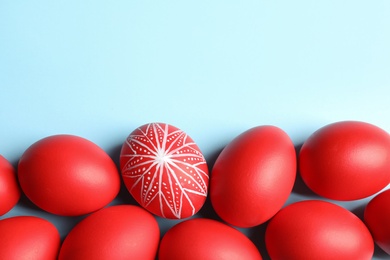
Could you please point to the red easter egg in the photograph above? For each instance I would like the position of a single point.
(164, 170)
(28, 237)
(68, 175)
(377, 219)
(253, 176)
(116, 232)
(9, 187)
(347, 160)
(206, 239)
(320, 230)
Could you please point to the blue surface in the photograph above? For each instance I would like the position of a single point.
(212, 68)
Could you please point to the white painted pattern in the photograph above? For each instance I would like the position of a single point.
(164, 164)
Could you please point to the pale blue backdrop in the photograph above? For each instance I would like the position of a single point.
(99, 69)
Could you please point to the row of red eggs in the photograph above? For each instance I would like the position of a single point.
(252, 178)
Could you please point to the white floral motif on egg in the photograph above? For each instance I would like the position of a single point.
(166, 165)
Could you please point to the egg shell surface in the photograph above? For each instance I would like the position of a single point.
(346, 160)
(206, 239)
(28, 237)
(253, 176)
(68, 175)
(114, 232)
(316, 229)
(164, 170)
(9, 187)
(376, 217)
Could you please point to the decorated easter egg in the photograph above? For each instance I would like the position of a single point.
(68, 175)
(164, 170)
(253, 176)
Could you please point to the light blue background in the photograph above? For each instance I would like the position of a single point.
(99, 69)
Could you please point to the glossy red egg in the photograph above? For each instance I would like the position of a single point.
(28, 237)
(9, 187)
(68, 175)
(206, 239)
(377, 219)
(115, 232)
(253, 176)
(315, 229)
(347, 160)
(164, 170)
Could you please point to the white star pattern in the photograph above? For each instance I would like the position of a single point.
(160, 163)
